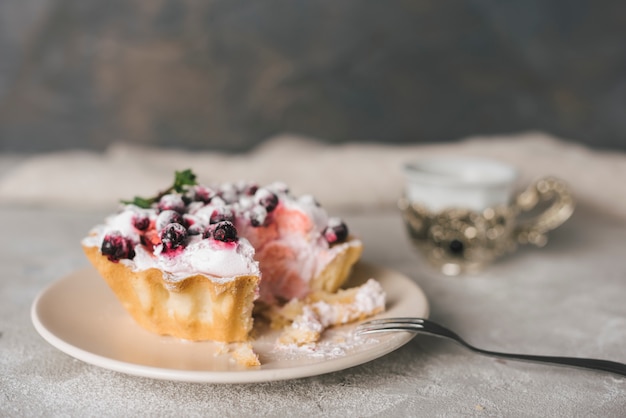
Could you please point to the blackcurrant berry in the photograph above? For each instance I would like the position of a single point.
(336, 231)
(228, 192)
(141, 222)
(203, 194)
(116, 247)
(225, 231)
(257, 216)
(266, 199)
(222, 213)
(168, 217)
(250, 189)
(173, 236)
(171, 202)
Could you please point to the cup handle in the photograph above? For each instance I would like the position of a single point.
(548, 190)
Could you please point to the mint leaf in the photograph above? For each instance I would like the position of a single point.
(181, 180)
(140, 201)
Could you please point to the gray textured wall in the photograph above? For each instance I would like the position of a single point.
(226, 74)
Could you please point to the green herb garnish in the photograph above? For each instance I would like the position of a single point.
(182, 179)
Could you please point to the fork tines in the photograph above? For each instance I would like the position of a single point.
(391, 324)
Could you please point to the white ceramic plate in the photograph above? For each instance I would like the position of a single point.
(80, 316)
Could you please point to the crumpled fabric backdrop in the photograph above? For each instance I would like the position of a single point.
(349, 176)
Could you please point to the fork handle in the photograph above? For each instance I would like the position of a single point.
(425, 326)
(433, 328)
(585, 363)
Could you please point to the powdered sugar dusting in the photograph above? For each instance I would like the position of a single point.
(368, 300)
(370, 297)
(335, 343)
(312, 330)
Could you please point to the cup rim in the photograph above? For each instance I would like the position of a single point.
(461, 171)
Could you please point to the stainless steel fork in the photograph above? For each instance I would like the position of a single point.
(420, 325)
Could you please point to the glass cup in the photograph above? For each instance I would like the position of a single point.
(462, 213)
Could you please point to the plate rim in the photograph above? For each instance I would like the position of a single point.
(256, 375)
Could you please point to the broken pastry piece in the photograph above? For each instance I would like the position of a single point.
(304, 321)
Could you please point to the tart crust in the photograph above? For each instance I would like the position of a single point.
(335, 274)
(196, 308)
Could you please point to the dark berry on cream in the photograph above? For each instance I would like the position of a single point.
(168, 217)
(225, 231)
(250, 189)
(173, 202)
(203, 194)
(195, 230)
(336, 231)
(228, 192)
(173, 236)
(193, 227)
(222, 213)
(117, 247)
(257, 216)
(266, 199)
(141, 222)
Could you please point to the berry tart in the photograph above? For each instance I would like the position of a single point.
(194, 261)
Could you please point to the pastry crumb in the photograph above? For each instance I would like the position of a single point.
(244, 354)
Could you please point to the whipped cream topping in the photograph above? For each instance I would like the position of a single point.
(219, 261)
(228, 228)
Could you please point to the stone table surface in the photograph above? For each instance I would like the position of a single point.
(565, 299)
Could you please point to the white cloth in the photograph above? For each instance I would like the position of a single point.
(349, 176)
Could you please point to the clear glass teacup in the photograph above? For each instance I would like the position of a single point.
(462, 213)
